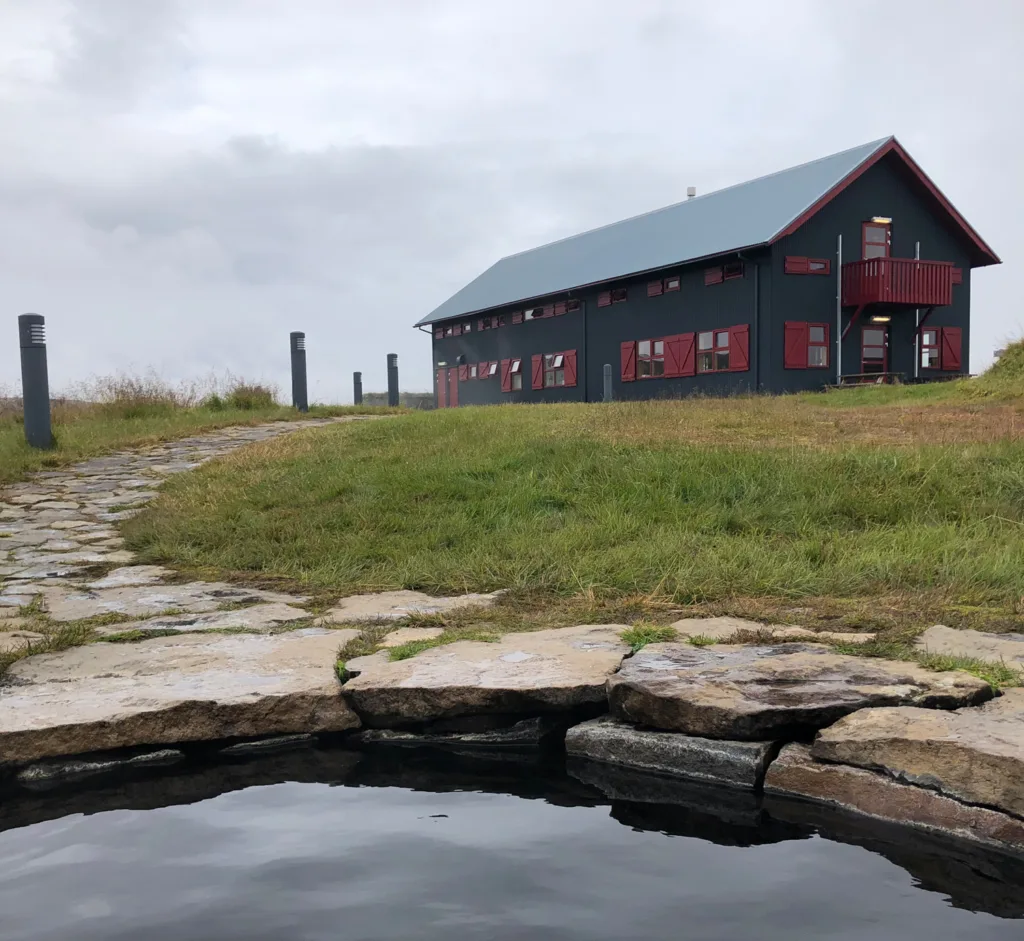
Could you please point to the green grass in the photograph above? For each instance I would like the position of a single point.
(89, 431)
(640, 635)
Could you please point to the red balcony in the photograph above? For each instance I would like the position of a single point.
(898, 281)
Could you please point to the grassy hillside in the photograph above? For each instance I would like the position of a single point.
(861, 501)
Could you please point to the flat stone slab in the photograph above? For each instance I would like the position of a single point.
(764, 693)
(1000, 648)
(172, 689)
(795, 772)
(519, 674)
(525, 733)
(259, 617)
(725, 628)
(606, 739)
(131, 576)
(11, 641)
(395, 605)
(409, 635)
(975, 755)
(73, 604)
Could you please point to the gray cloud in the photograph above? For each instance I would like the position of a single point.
(182, 184)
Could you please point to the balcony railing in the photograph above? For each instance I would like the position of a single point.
(898, 281)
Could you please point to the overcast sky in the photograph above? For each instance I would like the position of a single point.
(183, 182)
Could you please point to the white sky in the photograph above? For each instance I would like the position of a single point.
(183, 182)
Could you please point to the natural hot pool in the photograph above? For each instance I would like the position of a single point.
(416, 844)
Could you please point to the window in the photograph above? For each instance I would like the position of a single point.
(672, 284)
(732, 270)
(501, 320)
(438, 333)
(800, 264)
(483, 324)
(572, 305)
(877, 238)
(554, 370)
(650, 359)
(654, 288)
(806, 345)
(714, 275)
(492, 369)
(511, 375)
(449, 331)
(467, 328)
(472, 371)
(929, 349)
(817, 346)
(618, 295)
(713, 351)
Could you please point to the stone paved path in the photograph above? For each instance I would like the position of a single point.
(57, 526)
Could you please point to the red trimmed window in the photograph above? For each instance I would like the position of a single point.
(941, 348)
(672, 283)
(800, 264)
(876, 239)
(805, 345)
(500, 321)
(554, 370)
(572, 305)
(734, 269)
(614, 296)
(618, 295)
(930, 350)
(511, 374)
(467, 328)
(483, 324)
(724, 350)
(663, 357)
(714, 275)
(438, 333)
(457, 330)
(473, 371)
(449, 331)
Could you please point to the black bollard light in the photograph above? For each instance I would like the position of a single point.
(298, 345)
(392, 379)
(357, 388)
(35, 381)
(607, 382)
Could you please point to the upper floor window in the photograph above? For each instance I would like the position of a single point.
(800, 264)
(877, 238)
(726, 272)
(614, 296)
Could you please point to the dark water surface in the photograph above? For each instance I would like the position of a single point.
(328, 844)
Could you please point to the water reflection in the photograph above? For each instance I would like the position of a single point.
(405, 824)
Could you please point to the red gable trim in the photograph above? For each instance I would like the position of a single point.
(892, 146)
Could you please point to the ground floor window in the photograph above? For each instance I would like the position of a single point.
(713, 351)
(650, 358)
(806, 345)
(930, 349)
(554, 370)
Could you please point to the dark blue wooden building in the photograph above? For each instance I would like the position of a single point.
(852, 268)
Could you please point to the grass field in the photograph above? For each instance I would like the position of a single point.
(886, 508)
(120, 412)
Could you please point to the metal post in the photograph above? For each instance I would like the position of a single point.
(839, 311)
(298, 346)
(917, 322)
(607, 382)
(35, 381)
(392, 379)
(357, 388)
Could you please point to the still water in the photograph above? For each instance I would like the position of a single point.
(410, 845)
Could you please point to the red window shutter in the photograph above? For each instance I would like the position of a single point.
(688, 354)
(572, 305)
(463, 373)
(570, 367)
(604, 299)
(797, 264)
(628, 361)
(739, 348)
(560, 309)
(439, 333)
(537, 374)
(549, 311)
(949, 356)
(673, 355)
(713, 275)
(654, 288)
(795, 354)
(481, 370)
(506, 375)
(517, 317)
(958, 275)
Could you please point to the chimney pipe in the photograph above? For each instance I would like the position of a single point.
(691, 191)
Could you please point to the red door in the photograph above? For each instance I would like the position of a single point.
(453, 388)
(442, 389)
(877, 238)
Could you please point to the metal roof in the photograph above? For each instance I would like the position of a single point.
(729, 219)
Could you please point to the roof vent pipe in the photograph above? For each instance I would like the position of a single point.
(691, 191)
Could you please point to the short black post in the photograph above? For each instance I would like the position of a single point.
(35, 381)
(607, 382)
(392, 379)
(298, 345)
(357, 388)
